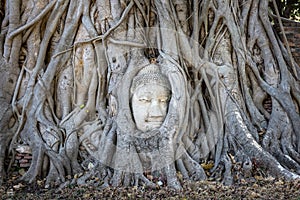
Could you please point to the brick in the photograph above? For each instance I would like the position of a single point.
(289, 34)
(23, 161)
(28, 157)
(24, 165)
(297, 50)
(292, 30)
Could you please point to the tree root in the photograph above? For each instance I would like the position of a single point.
(248, 64)
(190, 168)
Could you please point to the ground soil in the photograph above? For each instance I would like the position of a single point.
(255, 188)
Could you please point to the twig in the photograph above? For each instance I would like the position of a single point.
(105, 35)
(127, 43)
(31, 23)
(285, 39)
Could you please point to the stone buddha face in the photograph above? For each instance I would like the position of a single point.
(150, 98)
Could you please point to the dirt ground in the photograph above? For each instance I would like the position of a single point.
(267, 188)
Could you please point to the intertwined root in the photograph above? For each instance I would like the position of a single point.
(78, 59)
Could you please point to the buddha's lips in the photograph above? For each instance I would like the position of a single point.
(154, 120)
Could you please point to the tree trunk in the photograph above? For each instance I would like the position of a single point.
(72, 70)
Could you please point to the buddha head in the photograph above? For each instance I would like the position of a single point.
(150, 95)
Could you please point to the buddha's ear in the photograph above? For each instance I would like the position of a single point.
(131, 92)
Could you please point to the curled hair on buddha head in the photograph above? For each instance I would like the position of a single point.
(150, 74)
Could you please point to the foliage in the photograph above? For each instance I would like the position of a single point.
(267, 188)
(289, 9)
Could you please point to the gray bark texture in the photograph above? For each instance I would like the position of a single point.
(67, 68)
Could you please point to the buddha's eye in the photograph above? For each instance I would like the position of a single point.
(164, 100)
(145, 100)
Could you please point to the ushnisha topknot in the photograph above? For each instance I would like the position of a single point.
(150, 74)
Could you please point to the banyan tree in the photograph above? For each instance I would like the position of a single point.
(133, 92)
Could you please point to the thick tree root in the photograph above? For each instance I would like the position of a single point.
(79, 62)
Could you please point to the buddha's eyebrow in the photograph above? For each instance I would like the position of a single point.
(144, 97)
(145, 93)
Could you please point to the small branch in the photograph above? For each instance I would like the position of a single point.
(86, 20)
(127, 43)
(16, 92)
(124, 15)
(31, 23)
(105, 35)
(140, 7)
(285, 39)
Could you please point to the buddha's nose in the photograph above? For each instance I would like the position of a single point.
(155, 109)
